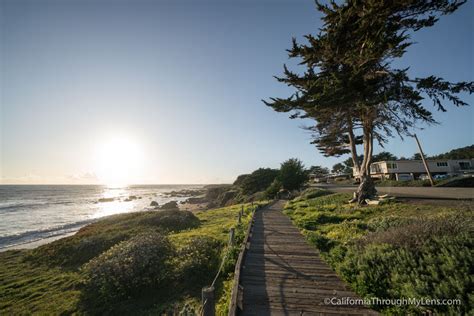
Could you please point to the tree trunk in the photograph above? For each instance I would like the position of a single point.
(366, 189)
(352, 144)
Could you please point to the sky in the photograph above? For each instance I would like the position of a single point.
(170, 91)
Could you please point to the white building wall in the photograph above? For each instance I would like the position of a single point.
(417, 167)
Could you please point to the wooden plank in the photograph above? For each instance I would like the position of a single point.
(282, 275)
(235, 295)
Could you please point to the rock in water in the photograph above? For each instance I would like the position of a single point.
(172, 205)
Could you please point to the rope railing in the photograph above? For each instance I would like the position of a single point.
(208, 304)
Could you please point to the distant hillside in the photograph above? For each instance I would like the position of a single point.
(458, 153)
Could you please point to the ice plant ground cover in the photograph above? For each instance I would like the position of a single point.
(392, 251)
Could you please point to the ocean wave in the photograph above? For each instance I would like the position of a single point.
(10, 241)
(15, 206)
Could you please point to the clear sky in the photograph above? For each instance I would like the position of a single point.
(180, 83)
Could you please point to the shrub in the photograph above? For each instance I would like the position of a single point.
(199, 260)
(440, 268)
(292, 174)
(390, 251)
(128, 269)
(259, 180)
(416, 232)
(171, 220)
(272, 191)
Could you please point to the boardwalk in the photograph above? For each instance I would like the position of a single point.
(283, 275)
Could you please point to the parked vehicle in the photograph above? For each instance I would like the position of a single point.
(405, 177)
(423, 177)
(440, 176)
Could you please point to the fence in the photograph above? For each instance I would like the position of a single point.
(208, 293)
(208, 298)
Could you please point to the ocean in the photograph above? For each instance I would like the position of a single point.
(34, 214)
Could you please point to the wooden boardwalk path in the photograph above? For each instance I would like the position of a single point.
(283, 275)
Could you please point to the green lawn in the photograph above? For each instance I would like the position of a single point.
(62, 277)
(394, 250)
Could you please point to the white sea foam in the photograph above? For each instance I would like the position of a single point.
(29, 214)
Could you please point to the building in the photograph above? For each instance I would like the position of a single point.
(414, 169)
(313, 178)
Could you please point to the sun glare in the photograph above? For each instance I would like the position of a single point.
(119, 162)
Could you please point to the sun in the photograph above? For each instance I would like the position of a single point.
(118, 161)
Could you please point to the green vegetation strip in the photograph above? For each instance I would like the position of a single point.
(394, 250)
(138, 263)
(238, 265)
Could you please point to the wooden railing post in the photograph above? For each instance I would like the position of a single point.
(208, 302)
(231, 236)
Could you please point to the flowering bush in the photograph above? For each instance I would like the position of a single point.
(199, 260)
(171, 220)
(129, 268)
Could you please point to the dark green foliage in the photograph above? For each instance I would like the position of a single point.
(384, 156)
(199, 260)
(272, 191)
(171, 220)
(350, 85)
(338, 168)
(240, 179)
(458, 153)
(318, 171)
(345, 167)
(259, 180)
(129, 269)
(292, 174)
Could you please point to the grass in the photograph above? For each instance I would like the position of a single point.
(53, 279)
(394, 250)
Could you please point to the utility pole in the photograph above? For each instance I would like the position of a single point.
(424, 161)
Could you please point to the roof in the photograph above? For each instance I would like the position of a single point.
(421, 161)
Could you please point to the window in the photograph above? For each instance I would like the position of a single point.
(442, 164)
(375, 168)
(464, 165)
(392, 165)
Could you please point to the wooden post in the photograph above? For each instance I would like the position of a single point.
(424, 161)
(208, 303)
(231, 236)
(239, 220)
